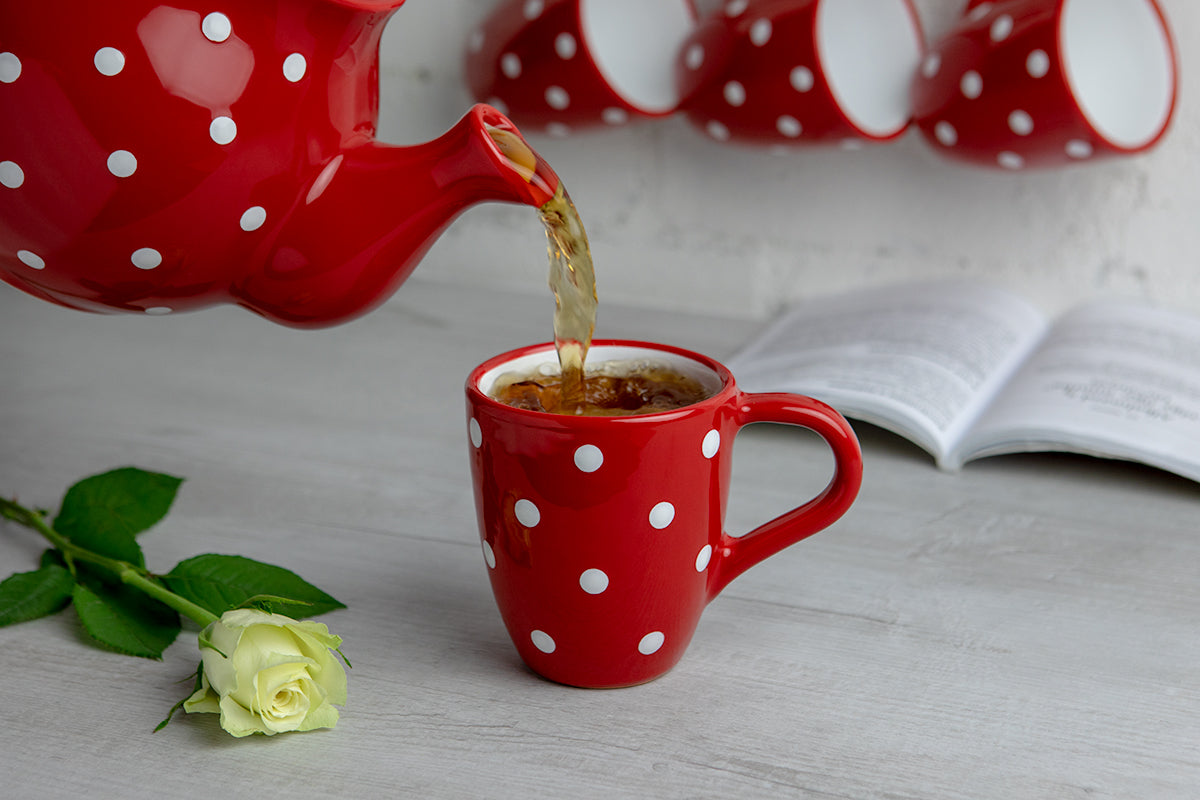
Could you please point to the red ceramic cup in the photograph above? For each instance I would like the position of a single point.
(1044, 83)
(566, 65)
(603, 536)
(801, 71)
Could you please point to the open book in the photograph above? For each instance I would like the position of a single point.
(966, 371)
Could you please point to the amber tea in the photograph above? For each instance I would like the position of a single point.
(609, 389)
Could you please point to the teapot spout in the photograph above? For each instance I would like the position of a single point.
(368, 215)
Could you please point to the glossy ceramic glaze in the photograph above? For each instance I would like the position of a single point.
(1044, 83)
(157, 158)
(604, 536)
(784, 72)
(568, 65)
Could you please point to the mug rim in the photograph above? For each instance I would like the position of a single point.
(476, 379)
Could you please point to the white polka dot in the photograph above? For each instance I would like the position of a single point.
(1079, 148)
(557, 97)
(1001, 28)
(146, 258)
(662, 515)
(10, 67)
(971, 84)
(158, 311)
(712, 439)
(693, 57)
(760, 32)
(703, 557)
(946, 133)
(109, 61)
(475, 431)
(931, 65)
(510, 65)
(542, 641)
(614, 116)
(31, 260)
(789, 126)
(717, 131)
(735, 7)
(979, 12)
(1010, 160)
(1020, 123)
(11, 174)
(565, 45)
(735, 93)
(651, 643)
(593, 581)
(294, 67)
(475, 41)
(527, 513)
(489, 556)
(558, 130)
(588, 458)
(223, 130)
(122, 163)
(801, 79)
(253, 218)
(1037, 64)
(533, 9)
(216, 27)
(498, 104)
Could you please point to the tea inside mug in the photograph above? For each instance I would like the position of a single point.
(618, 382)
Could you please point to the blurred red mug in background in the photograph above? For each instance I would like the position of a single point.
(567, 65)
(1043, 83)
(801, 71)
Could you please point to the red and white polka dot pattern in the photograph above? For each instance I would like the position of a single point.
(603, 536)
(157, 158)
(802, 71)
(1029, 83)
(570, 65)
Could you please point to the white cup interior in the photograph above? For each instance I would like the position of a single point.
(547, 359)
(869, 50)
(633, 44)
(1119, 63)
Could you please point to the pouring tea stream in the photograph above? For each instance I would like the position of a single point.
(157, 159)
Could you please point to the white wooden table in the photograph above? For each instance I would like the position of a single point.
(1029, 628)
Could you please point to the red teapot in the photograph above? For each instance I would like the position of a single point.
(158, 158)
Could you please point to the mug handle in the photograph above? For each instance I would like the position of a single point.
(737, 554)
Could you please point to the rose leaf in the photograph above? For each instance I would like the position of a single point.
(31, 595)
(219, 583)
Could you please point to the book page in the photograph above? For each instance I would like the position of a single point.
(1110, 379)
(920, 360)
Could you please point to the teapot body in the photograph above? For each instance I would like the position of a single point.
(158, 158)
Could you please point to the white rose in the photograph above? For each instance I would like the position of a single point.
(267, 673)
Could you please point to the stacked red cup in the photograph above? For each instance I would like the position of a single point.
(801, 71)
(1035, 83)
(567, 65)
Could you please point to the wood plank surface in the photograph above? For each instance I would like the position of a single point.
(1026, 628)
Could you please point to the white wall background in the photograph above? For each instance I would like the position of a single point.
(679, 221)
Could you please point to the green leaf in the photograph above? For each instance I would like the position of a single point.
(197, 685)
(126, 620)
(219, 583)
(105, 512)
(32, 595)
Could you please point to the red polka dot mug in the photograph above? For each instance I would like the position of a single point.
(785, 72)
(603, 537)
(570, 65)
(1021, 84)
(162, 157)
